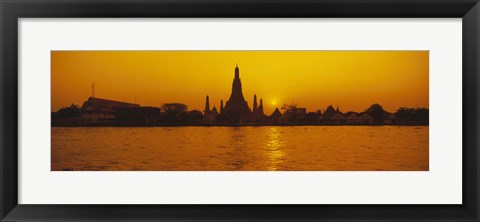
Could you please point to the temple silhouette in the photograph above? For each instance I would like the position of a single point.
(236, 104)
(236, 108)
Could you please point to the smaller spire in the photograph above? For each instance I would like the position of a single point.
(255, 106)
(214, 111)
(207, 105)
(260, 108)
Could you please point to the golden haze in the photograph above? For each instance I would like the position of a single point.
(314, 79)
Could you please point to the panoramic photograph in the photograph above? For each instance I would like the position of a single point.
(237, 110)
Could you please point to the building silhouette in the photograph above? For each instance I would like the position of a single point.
(97, 110)
(209, 116)
(143, 115)
(257, 112)
(236, 108)
(255, 106)
(235, 111)
(329, 112)
(276, 116)
(207, 106)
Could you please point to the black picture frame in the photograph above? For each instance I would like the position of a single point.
(12, 10)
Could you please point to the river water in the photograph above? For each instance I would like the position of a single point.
(260, 148)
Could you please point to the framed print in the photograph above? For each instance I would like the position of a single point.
(227, 110)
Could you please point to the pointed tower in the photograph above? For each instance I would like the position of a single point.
(260, 109)
(236, 105)
(276, 116)
(254, 103)
(221, 105)
(329, 112)
(207, 106)
(214, 111)
(237, 72)
(338, 110)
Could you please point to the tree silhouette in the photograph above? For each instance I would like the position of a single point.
(173, 112)
(293, 113)
(71, 111)
(377, 113)
(412, 115)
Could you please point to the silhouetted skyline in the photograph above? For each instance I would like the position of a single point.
(311, 79)
(98, 111)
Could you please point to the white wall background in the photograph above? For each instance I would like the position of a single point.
(441, 185)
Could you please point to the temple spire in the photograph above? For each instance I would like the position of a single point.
(255, 103)
(260, 108)
(207, 105)
(236, 105)
(237, 72)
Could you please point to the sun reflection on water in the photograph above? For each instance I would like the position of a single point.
(274, 155)
(266, 148)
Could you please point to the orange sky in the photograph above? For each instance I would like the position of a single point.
(314, 79)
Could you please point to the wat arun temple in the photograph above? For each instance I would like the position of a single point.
(236, 108)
